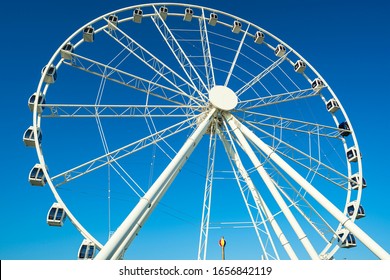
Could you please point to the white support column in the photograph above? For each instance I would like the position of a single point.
(208, 188)
(119, 253)
(312, 191)
(260, 204)
(272, 188)
(155, 193)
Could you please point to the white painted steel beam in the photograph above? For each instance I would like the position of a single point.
(208, 61)
(312, 191)
(290, 96)
(235, 125)
(179, 53)
(161, 69)
(261, 75)
(260, 204)
(154, 194)
(119, 111)
(129, 80)
(236, 57)
(120, 153)
(208, 189)
(119, 253)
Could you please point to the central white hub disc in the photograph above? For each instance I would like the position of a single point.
(223, 98)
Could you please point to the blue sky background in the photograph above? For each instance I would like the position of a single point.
(347, 42)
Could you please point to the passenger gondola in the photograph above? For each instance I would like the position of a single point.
(137, 15)
(352, 154)
(352, 207)
(112, 21)
(299, 66)
(41, 101)
(344, 129)
(86, 250)
(36, 176)
(89, 34)
(51, 74)
(259, 37)
(188, 13)
(346, 239)
(213, 19)
(163, 12)
(56, 215)
(67, 51)
(28, 136)
(354, 181)
(332, 106)
(317, 84)
(236, 26)
(280, 50)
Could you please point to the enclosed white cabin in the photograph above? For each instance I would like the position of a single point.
(213, 19)
(86, 250)
(354, 181)
(41, 101)
(36, 176)
(317, 84)
(67, 51)
(51, 74)
(346, 239)
(89, 34)
(259, 37)
(352, 207)
(332, 106)
(344, 129)
(163, 12)
(352, 154)
(28, 136)
(280, 50)
(188, 13)
(299, 66)
(137, 15)
(236, 27)
(56, 215)
(112, 21)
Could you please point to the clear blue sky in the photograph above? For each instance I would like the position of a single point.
(345, 41)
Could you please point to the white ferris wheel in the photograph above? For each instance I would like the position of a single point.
(164, 94)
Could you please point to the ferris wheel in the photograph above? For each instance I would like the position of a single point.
(157, 95)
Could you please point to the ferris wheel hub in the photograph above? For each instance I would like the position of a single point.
(223, 98)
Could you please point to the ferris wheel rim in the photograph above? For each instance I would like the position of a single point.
(37, 117)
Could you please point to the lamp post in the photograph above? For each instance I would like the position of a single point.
(222, 243)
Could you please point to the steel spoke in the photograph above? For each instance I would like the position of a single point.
(208, 60)
(179, 53)
(259, 204)
(293, 125)
(160, 68)
(119, 111)
(238, 51)
(261, 75)
(276, 99)
(319, 197)
(120, 153)
(299, 157)
(205, 223)
(303, 238)
(134, 221)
